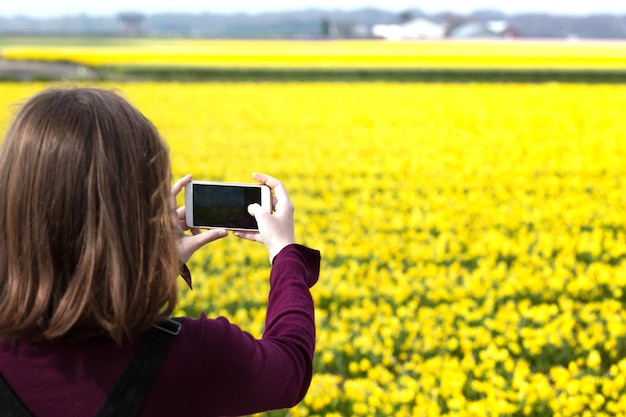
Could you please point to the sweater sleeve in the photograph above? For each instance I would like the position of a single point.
(290, 321)
(249, 375)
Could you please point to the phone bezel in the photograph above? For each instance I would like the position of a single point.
(266, 201)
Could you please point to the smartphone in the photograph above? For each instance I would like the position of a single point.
(224, 205)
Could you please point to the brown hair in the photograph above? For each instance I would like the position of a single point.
(87, 228)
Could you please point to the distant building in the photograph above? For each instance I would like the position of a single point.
(490, 29)
(414, 29)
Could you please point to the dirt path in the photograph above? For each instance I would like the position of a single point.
(31, 71)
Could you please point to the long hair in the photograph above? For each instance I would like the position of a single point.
(87, 229)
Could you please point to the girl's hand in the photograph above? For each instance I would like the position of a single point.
(189, 243)
(275, 230)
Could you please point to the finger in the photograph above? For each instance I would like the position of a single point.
(253, 209)
(280, 192)
(180, 212)
(191, 243)
(182, 218)
(266, 179)
(200, 239)
(256, 210)
(183, 225)
(254, 236)
(178, 185)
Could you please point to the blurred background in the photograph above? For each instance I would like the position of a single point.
(318, 19)
(473, 229)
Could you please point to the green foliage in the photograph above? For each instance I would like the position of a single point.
(169, 73)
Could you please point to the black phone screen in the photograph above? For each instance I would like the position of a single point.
(224, 206)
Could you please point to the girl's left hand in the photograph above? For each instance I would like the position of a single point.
(189, 243)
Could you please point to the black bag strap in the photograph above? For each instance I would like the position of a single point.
(128, 395)
(10, 405)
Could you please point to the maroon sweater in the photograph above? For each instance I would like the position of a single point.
(213, 368)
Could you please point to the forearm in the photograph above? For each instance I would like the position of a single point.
(290, 320)
(275, 372)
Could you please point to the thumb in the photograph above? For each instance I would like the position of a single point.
(201, 239)
(255, 209)
(191, 243)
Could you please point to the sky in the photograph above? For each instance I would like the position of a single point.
(57, 8)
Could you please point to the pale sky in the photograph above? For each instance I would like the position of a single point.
(54, 8)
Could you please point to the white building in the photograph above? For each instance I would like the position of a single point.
(414, 29)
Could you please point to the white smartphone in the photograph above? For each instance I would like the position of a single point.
(224, 205)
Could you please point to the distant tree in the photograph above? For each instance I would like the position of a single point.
(453, 21)
(325, 27)
(406, 16)
(132, 23)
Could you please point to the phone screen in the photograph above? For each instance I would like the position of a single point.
(224, 206)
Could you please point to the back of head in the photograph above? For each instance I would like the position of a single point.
(88, 232)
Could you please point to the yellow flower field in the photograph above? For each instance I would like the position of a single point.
(531, 54)
(473, 236)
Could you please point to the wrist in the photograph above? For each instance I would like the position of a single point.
(278, 248)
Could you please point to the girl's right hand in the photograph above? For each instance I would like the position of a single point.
(276, 230)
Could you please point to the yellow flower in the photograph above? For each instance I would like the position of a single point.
(594, 360)
(473, 255)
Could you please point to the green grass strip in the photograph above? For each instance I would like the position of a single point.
(135, 73)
